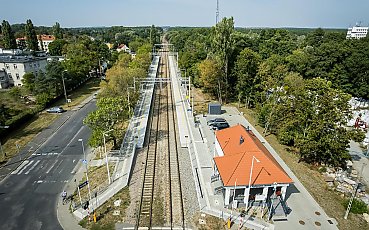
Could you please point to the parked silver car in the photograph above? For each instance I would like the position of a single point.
(55, 110)
(211, 122)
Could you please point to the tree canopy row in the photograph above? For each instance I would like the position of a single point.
(118, 96)
(299, 84)
(83, 56)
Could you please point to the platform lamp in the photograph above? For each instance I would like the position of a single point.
(249, 187)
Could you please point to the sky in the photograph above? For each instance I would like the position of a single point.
(246, 13)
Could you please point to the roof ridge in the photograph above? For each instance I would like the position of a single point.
(267, 154)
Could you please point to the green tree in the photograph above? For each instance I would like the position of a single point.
(325, 111)
(245, 69)
(110, 112)
(57, 31)
(316, 37)
(8, 36)
(57, 47)
(29, 81)
(356, 66)
(209, 74)
(30, 32)
(223, 45)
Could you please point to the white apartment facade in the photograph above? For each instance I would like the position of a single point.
(16, 66)
(46, 40)
(357, 32)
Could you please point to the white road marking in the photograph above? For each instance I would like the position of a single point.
(59, 164)
(33, 166)
(51, 167)
(50, 181)
(25, 167)
(73, 138)
(20, 166)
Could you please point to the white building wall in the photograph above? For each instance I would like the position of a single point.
(357, 32)
(16, 70)
(218, 149)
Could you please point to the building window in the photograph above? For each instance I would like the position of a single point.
(10, 76)
(30, 65)
(7, 66)
(15, 66)
(17, 76)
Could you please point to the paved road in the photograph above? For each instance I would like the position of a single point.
(29, 195)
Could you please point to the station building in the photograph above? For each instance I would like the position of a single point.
(239, 154)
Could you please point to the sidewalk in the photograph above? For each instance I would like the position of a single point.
(66, 220)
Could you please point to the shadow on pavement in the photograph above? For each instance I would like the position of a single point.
(291, 189)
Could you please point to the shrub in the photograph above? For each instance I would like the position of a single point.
(357, 207)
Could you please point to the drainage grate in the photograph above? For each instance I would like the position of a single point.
(330, 221)
(301, 222)
(317, 223)
(317, 213)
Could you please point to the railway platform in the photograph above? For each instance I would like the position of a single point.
(134, 139)
(192, 138)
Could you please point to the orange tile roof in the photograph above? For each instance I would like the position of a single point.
(238, 154)
(45, 37)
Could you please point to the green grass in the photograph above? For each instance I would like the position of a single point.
(104, 214)
(80, 94)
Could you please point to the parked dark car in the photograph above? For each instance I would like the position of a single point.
(55, 110)
(216, 120)
(220, 125)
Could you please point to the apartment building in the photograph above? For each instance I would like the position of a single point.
(357, 32)
(15, 67)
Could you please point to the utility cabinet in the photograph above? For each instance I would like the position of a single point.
(214, 109)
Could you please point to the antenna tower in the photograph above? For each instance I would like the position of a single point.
(217, 13)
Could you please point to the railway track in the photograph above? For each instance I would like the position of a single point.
(161, 203)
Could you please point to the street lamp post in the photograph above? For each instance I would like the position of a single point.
(85, 162)
(65, 91)
(106, 154)
(249, 187)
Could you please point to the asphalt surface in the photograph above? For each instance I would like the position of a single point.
(29, 194)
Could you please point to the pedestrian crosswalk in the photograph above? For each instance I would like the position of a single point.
(44, 154)
(49, 181)
(44, 166)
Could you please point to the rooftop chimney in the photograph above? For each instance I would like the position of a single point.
(241, 140)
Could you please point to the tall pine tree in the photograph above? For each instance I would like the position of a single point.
(30, 32)
(8, 36)
(57, 31)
